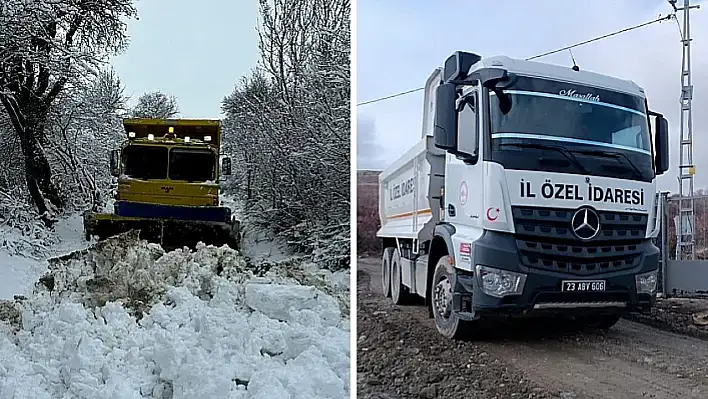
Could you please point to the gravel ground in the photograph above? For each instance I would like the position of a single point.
(398, 359)
(677, 315)
(401, 355)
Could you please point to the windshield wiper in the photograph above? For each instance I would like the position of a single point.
(615, 155)
(569, 155)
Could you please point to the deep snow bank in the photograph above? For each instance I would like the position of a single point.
(123, 319)
(23, 257)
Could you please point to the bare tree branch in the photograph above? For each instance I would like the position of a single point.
(47, 47)
(288, 125)
(156, 105)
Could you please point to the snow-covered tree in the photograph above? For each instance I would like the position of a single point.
(84, 124)
(48, 48)
(156, 105)
(87, 125)
(288, 125)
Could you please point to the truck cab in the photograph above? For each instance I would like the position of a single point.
(532, 193)
(171, 163)
(168, 175)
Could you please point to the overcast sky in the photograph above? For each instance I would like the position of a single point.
(400, 42)
(196, 51)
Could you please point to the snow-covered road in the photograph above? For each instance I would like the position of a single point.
(123, 319)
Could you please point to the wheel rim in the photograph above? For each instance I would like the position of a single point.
(394, 280)
(443, 298)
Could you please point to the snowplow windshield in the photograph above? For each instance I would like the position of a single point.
(192, 164)
(151, 163)
(145, 162)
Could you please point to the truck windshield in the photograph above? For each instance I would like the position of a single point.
(145, 162)
(192, 164)
(589, 122)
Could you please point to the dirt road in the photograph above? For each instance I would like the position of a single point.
(401, 355)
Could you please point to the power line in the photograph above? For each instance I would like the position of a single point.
(391, 96)
(660, 19)
(680, 29)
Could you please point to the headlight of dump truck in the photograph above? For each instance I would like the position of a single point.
(499, 283)
(646, 282)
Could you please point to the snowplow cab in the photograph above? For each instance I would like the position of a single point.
(168, 172)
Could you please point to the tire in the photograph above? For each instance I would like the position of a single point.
(386, 271)
(399, 292)
(602, 322)
(234, 239)
(446, 321)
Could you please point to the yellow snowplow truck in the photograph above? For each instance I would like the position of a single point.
(168, 173)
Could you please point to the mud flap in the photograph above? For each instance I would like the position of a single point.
(169, 233)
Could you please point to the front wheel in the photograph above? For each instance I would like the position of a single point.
(601, 322)
(447, 321)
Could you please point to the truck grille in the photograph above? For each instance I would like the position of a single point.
(545, 240)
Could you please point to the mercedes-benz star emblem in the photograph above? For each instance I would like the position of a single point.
(585, 224)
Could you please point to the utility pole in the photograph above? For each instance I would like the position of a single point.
(685, 243)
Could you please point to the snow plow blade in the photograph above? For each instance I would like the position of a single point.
(169, 233)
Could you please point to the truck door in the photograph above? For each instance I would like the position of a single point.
(464, 195)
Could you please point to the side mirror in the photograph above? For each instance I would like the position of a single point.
(226, 166)
(445, 133)
(458, 65)
(661, 142)
(468, 132)
(505, 101)
(115, 163)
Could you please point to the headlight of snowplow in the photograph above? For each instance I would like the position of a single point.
(499, 283)
(646, 282)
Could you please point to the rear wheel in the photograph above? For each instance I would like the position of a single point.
(447, 321)
(86, 223)
(399, 292)
(386, 271)
(235, 235)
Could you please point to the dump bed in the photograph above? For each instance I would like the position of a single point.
(409, 190)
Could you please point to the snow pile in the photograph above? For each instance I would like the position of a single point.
(327, 246)
(21, 230)
(19, 269)
(126, 320)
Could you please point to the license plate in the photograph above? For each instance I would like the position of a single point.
(583, 285)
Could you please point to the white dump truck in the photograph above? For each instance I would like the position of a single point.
(531, 192)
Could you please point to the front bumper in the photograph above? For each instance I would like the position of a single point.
(170, 233)
(131, 209)
(542, 293)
